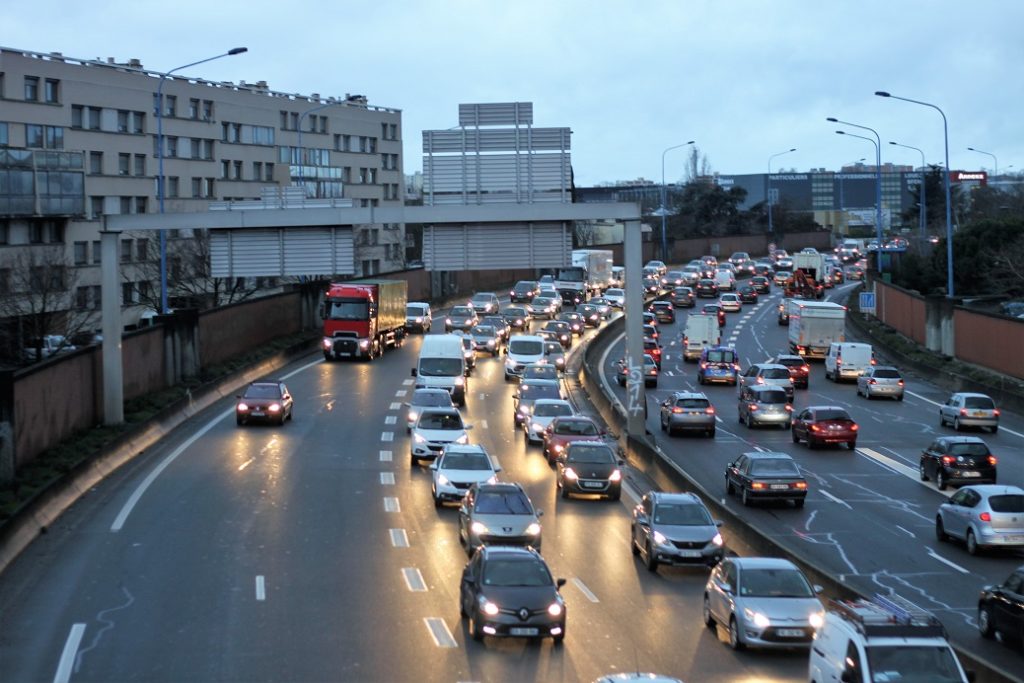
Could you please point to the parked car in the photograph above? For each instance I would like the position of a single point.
(764, 405)
(766, 475)
(983, 517)
(881, 380)
(46, 346)
(684, 297)
(589, 467)
(964, 409)
(1001, 609)
(264, 401)
(499, 514)
(675, 529)
(957, 460)
(688, 410)
(457, 468)
(820, 425)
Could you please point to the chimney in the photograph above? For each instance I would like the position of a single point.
(135, 63)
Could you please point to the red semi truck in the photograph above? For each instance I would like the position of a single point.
(363, 317)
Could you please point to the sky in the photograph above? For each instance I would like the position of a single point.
(744, 79)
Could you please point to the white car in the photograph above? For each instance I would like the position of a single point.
(418, 317)
(459, 467)
(429, 397)
(730, 302)
(544, 411)
(434, 429)
(616, 297)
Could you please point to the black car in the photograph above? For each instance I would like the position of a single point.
(1001, 609)
(559, 330)
(510, 592)
(763, 475)
(748, 295)
(664, 311)
(683, 297)
(957, 460)
(589, 467)
(575, 320)
(761, 284)
(706, 288)
(266, 401)
(523, 292)
(591, 314)
(517, 317)
(652, 285)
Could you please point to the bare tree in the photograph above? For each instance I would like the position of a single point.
(697, 165)
(585, 232)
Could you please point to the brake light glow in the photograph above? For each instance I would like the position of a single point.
(710, 411)
(789, 407)
(948, 460)
(677, 410)
(800, 485)
(992, 460)
(759, 485)
(813, 428)
(985, 517)
(995, 412)
(963, 411)
(872, 381)
(853, 427)
(900, 383)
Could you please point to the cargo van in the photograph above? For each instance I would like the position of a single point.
(442, 365)
(847, 360)
(522, 350)
(700, 331)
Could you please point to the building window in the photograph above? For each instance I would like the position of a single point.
(173, 186)
(97, 254)
(193, 108)
(31, 88)
(126, 205)
(346, 174)
(142, 248)
(140, 204)
(138, 122)
(95, 207)
(170, 105)
(270, 171)
(81, 298)
(123, 162)
(33, 135)
(122, 120)
(126, 251)
(77, 116)
(5, 280)
(207, 149)
(262, 135)
(92, 118)
(207, 110)
(51, 90)
(140, 164)
(236, 170)
(225, 166)
(127, 293)
(81, 253)
(257, 170)
(4, 135)
(363, 175)
(5, 232)
(96, 163)
(54, 136)
(194, 148)
(373, 176)
(172, 146)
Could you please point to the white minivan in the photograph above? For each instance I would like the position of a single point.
(725, 280)
(847, 360)
(442, 365)
(522, 350)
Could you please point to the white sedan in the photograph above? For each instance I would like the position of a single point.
(730, 302)
(457, 468)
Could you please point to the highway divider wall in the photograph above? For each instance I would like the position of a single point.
(644, 454)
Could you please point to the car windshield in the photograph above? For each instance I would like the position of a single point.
(524, 286)
(832, 415)
(262, 391)
(503, 503)
(552, 410)
(533, 392)
(595, 454)
(516, 573)
(483, 331)
(440, 367)
(414, 310)
(541, 372)
(693, 403)
(682, 514)
(462, 312)
(526, 347)
(614, 292)
(552, 347)
(774, 467)
(348, 309)
(968, 449)
(790, 362)
(721, 356)
(1007, 503)
(483, 298)
(886, 373)
(514, 312)
(451, 421)
(771, 397)
(775, 373)
(979, 403)
(912, 664)
(576, 428)
(431, 398)
(465, 461)
(774, 583)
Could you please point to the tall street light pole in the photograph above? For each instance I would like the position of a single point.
(924, 177)
(878, 182)
(771, 227)
(301, 155)
(878, 212)
(949, 205)
(995, 171)
(664, 201)
(160, 180)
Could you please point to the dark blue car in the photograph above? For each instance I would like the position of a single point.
(718, 364)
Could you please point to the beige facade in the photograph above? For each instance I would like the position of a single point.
(221, 142)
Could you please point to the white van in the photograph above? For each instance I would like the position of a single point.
(442, 365)
(522, 350)
(725, 280)
(847, 360)
(700, 331)
(618, 276)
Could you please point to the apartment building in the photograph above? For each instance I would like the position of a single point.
(80, 138)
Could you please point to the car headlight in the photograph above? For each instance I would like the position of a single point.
(418, 438)
(274, 407)
(555, 609)
(756, 618)
(533, 529)
(419, 320)
(459, 381)
(463, 439)
(493, 479)
(447, 321)
(488, 607)
(442, 480)
(570, 473)
(616, 476)
(659, 538)
(327, 342)
(478, 528)
(816, 620)
(364, 344)
(558, 448)
(242, 407)
(412, 416)
(490, 342)
(560, 362)
(717, 540)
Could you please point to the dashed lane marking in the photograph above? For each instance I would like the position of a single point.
(67, 657)
(261, 588)
(439, 632)
(385, 456)
(408, 382)
(414, 580)
(387, 436)
(395, 406)
(583, 589)
(390, 420)
(399, 539)
(391, 504)
(401, 393)
(948, 563)
(387, 478)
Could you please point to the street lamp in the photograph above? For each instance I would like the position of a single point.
(995, 171)
(160, 180)
(664, 210)
(771, 228)
(878, 211)
(878, 182)
(924, 176)
(301, 155)
(949, 205)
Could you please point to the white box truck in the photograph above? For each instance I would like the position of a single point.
(814, 326)
(589, 274)
(700, 331)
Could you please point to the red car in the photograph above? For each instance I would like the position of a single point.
(820, 425)
(564, 429)
(799, 369)
(715, 309)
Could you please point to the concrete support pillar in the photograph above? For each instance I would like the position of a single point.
(636, 400)
(939, 332)
(113, 381)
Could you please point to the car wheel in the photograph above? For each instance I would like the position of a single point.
(711, 433)
(796, 439)
(616, 496)
(745, 496)
(462, 608)
(940, 480)
(995, 428)
(475, 629)
(650, 561)
(700, 379)
(734, 635)
(851, 445)
(709, 619)
(633, 547)
(749, 422)
(900, 398)
(729, 488)
(972, 543)
(437, 499)
(413, 460)
(985, 622)
(565, 491)
(956, 424)
(921, 472)
(239, 421)
(664, 426)
(506, 376)
(799, 502)
(940, 530)
(942, 419)
(557, 640)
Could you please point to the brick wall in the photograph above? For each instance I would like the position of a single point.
(901, 310)
(992, 341)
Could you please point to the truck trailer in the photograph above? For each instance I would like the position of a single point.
(589, 274)
(814, 325)
(362, 318)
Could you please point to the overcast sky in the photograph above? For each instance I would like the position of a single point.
(744, 78)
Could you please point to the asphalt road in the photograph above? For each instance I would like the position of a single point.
(868, 518)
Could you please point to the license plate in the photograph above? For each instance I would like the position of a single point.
(970, 474)
(257, 413)
(1013, 539)
(779, 487)
(689, 553)
(593, 484)
(790, 632)
(519, 631)
(979, 413)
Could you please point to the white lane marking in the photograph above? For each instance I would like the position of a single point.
(889, 462)
(387, 478)
(399, 539)
(400, 393)
(481, 396)
(583, 589)
(408, 382)
(483, 424)
(836, 500)
(944, 561)
(245, 464)
(390, 419)
(439, 632)
(906, 531)
(385, 456)
(67, 657)
(926, 400)
(391, 504)
(261, 588)
(395, 406)
(414, 580)
(387, 436)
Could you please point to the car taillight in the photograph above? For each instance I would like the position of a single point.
(813, 428)
(800, 485)
(753, 407)
(839, 361)
(853, 427)
(992, 460)
(874, 362)
(710, 411)
(900, 383)
(995, 412)
(985, 517)
(963, 411)
(789, 408)
(759, 485)
(685, 340)
(872, 381)
(760, 380)
(677, 410)
(948, 460)
(703, 366)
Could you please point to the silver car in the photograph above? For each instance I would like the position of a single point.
(764, 405)
(881, 380)
(435, 429)
(969, 410)
(544, 411)
(983, 516)
(685, 410)
(498, 514)
(425, 398)
(675, 528)
(461, 318)
(764, 602)
(457, 468)
(768, 374)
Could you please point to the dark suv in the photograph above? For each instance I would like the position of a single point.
(958, 460)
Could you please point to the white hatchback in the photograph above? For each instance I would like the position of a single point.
(457, 468)
(730, 302)
(544, 411)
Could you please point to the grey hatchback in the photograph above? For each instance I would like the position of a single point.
(880, 380)
(675, 528)
(764, 405)
(965, 409)
(687, 410)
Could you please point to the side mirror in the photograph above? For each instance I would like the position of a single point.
(414, 372)
(641, 519)
(818, 588)
(540, 513)
(726, 587)
(620, 462)
(731, 465)
(719, 523)
(467, 427)
(497, 468)
(560, 582)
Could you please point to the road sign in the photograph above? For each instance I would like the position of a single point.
(867, 302)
